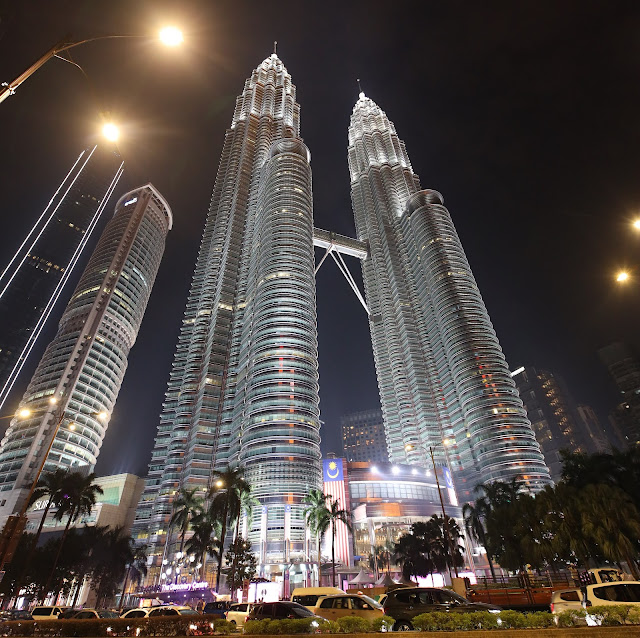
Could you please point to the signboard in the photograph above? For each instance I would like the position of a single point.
(448, 480)
(332, 470)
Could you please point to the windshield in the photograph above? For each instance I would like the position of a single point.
(299, 610)
(372, 602)
(188, 612)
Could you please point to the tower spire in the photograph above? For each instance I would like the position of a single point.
(275, 47)
(361, 92)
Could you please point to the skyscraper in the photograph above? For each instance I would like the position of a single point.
(363, 437)
(33, 281)
(75, 386)
(243, 387)
(444, 382)
(623, 364)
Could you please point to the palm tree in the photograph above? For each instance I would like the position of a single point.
(226, 493)
(474, 517)
(333, 516)
(136, 569)
(112, 556)
(78, 498)
(315, 516)
(247, 502)
(611, 519)
(204, 541)
(187, 505)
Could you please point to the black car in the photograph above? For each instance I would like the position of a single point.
(403, 604)
(217, 608)
(279, 611)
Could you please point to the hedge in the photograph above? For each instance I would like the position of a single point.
(88, 628)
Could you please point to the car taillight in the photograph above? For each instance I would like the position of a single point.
(552, 605)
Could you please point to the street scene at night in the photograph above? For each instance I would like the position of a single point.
(319, 317)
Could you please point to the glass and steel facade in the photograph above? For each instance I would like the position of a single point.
(443, 379)
(243, 388)
(37, 275)
(79, 376)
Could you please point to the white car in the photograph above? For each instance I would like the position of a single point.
(172, 610)
(238, 612)
(626, 592)
(47, 613)
(138, 612)
(334, 607)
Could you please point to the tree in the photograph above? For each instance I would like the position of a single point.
(78, 498)
(204, 541)
(247, 502)
(241, 563)
(316, 517)
(413, 562)
(474, 516)
(333, 516)
(226, 493)
(186, 505)
(111, 557)
(612, 521)
(136, 570)
(52, 484)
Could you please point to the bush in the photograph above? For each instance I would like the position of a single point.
(510, 619)
(329, 627)
(354, 625)
(254, 627)
(571, 618)
(539, 619)
(608, 615)
(383, 623)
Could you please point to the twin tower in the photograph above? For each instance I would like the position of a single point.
(243, 388)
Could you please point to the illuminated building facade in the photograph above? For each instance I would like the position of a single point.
(363, 437)
(243, 388)
(79, 376)
(442, 375)
(33, 281)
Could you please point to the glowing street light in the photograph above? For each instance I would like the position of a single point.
(110, 132)
(24, 413)
(636, 224)
(622, 276)
(171, 36)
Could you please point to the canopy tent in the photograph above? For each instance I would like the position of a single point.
(385, 581)
(362, 579)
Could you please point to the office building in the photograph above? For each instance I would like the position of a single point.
(623, 364)
(243, 389)
(598, 441)
(69, 400)
(442, 375)
(35, 278)
(363, 437)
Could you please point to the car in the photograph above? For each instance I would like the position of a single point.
(85, 614)
(136, 612)
(405, 603)
(172, 610)
(238, 613)
(308, 596)
(279, 611)
(15, 614)
(217, 608)
(47, 613)
(334, 607)
(626, 592)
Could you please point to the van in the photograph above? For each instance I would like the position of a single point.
(46, 613)
(626, 592)
(308, 596)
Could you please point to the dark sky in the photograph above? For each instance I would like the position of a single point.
(525, 115)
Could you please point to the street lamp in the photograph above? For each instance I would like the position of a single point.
(169, 36)
(110, 131)
(622, 277)
(16, 523)
(636, 224)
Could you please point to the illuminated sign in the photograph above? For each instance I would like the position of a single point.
(186, 586)
(131, 201)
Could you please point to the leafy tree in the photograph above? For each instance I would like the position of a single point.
(110, 559)
(136, 570)
(226, 493)
(316, 517)
(247, 503)
(241, 563)
(186, 505)
(204, 541)
(333, 516)
(407, 553)
(78, 498)
(474, 522)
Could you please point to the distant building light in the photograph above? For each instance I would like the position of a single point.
(395, 469)
(375, 470)
(133, 200)
(518, 371)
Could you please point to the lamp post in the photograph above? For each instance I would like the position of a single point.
(16, 523)
(169, 36)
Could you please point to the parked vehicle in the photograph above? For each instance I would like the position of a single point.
(217, 608)
(136, 612)
(334, 607)
(280, 610)
(15, 614)
(47, 613)
(84, 614)
(308, 596)
(238, 613)
(403, 604)
(626, 592)
(172, 610)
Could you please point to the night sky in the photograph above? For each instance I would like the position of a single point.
(525, 115)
